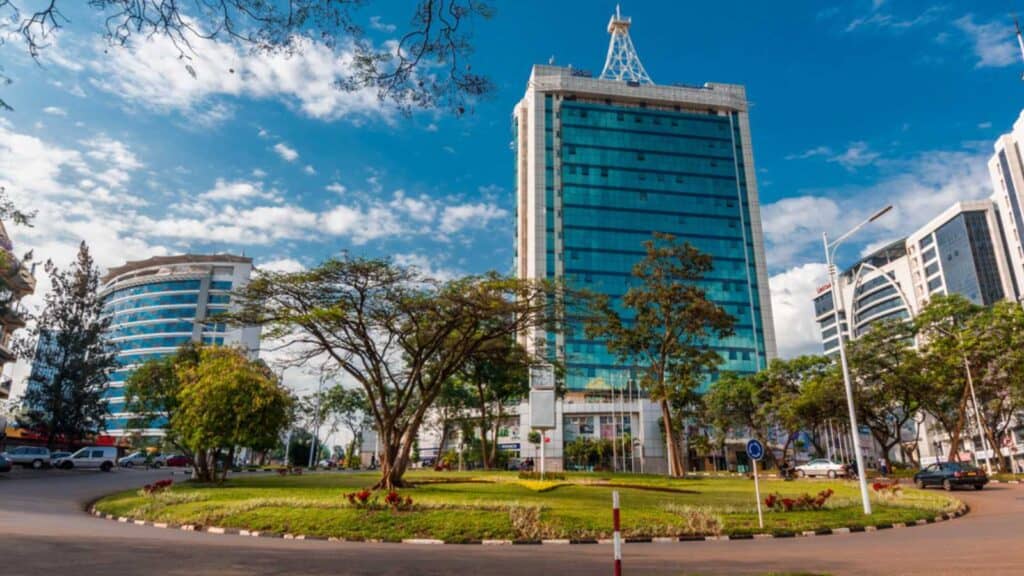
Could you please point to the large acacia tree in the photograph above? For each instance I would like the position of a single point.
(399, 335)
(426, 64)
(668, 331)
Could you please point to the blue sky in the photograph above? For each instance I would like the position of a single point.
(854, 105)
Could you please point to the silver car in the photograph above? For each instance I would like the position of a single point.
(29, 456)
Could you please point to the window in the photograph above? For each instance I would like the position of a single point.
(572, 150)
(97, 453)
(640, 156)
(604, 172)
(619, 116)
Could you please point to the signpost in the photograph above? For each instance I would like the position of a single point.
(542, 404)
(755, 450)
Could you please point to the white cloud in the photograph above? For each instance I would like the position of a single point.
(376, 24)
(455, 218)
(257, 173)
(919, 188)
(286, 152)
(236, 190)
(150, 73)
(427, 265)
(856, 155)
(793, 292)
(335, 187)
(891, 23)
(993, 42)
(984, 125)
(308, 169)
(282, 265)
(55, 111)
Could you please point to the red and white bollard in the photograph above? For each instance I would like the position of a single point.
(617, 536)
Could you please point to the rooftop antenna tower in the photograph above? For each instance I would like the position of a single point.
(622, 63)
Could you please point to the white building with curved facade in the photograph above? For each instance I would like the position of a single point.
(160, 303)
(878, 287)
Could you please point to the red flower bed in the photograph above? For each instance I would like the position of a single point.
(805, 502)
(158, 486)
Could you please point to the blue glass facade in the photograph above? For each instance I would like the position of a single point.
(616, 173)
(152, 315)
(967, 256)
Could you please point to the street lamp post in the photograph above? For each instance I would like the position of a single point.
(837, 305)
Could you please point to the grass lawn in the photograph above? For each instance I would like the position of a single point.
(458, 507)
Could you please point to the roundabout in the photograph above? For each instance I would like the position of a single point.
(43, 528)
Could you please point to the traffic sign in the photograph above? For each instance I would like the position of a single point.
(755, 450)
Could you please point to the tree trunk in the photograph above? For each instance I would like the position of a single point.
(231, 460)
(675, 465)
(997, 452)
(954, 437)
(494, 429)
(396, 448)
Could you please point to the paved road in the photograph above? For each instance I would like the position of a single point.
(43, 530)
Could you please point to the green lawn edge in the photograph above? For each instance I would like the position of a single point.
(475, 506)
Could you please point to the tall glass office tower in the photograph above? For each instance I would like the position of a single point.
(602, 163)
(158, 304)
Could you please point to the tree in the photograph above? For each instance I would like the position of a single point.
(67, 400)
(349, 407)
(426, 66)
(400, 335)
(820, 399)
(995, 338)
(226, 401)
(941, 326)
(496, 375)
(153, 389)
(889, 384)
(670, 322)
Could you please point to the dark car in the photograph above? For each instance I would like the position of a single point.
(5, 464)
(178, 461)
(950, 475)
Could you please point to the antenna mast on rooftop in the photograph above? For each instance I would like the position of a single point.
(622, 62)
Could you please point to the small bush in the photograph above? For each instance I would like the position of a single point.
(699, 520)
(888, 489)
(396, 502)
(157, 487)
(525, 521)
(360, 499)
(805, 502)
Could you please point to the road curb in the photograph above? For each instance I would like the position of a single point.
(944, 517)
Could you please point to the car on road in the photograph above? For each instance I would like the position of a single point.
(29, 456)
(102, 457)
(820, 467)
(5, 464)
(142, 459)
(54, 456)
(178, 461)
(950, 475)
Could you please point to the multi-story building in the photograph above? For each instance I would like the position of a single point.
(876, 288)
(1006, 169)
(601, 164)
(961, 251)
(16, 282)
(160, 303)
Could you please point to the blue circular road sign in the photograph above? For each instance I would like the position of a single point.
(755, 450)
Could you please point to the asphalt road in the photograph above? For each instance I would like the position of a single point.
(44, 530)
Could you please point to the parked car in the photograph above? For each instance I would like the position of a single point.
(101, 457)
(178, 460)
(949, 475)
(142, 458)
(820, 467)
(5, 464)
(54, 456)
(29, 456)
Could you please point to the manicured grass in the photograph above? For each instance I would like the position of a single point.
(491, 505)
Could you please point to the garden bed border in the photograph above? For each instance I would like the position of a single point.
(960, 511)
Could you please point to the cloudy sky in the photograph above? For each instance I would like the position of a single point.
(853, 105)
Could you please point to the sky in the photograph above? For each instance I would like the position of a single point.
(853, 105)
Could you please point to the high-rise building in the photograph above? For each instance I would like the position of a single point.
(160, 303)
(604, 162)
(1006, 169)
(962, 251)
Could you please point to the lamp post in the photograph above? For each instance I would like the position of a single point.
(837, 305)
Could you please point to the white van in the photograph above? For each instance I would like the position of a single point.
(101, 457)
